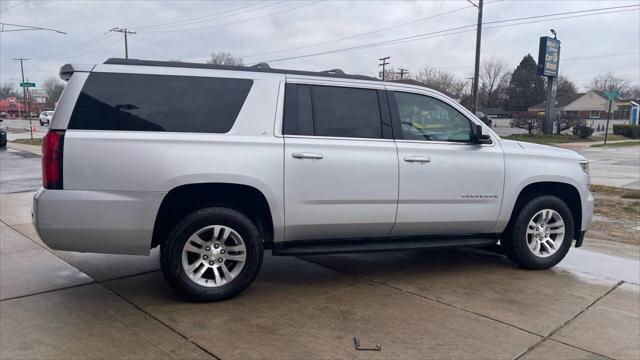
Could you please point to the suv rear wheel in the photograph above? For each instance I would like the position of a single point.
(212, 254)
(541, 233)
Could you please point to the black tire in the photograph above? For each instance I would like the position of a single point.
(171, 253)
(514, 240)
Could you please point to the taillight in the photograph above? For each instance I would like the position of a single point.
(52, 147)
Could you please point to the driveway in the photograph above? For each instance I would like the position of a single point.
(444, 304)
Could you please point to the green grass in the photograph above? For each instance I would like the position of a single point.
(37, 142)
(619, 144)
(560, 139)
(612, 190)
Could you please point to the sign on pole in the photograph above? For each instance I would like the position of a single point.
(611, 94)
(548, 56)
(27, 84)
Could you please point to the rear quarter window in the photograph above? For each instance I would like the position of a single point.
(141, 102)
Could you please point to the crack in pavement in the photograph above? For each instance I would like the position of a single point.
(110, 289)
(543, 337)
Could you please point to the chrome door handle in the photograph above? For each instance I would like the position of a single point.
(306, 155)
(417, 159)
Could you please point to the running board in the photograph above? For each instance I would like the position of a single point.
(317, 247)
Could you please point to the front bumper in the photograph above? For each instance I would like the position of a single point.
(115, 222)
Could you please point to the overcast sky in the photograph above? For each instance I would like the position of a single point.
(191, 30)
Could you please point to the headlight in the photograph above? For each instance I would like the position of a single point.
(584, 164)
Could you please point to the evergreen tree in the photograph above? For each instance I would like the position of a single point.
(526, 88)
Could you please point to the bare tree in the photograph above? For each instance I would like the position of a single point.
(8, 89)
(633, 92)
(440, 80)
(494, 78)
(53, 87)
(224, 58)
(565, 87)
(608, 82)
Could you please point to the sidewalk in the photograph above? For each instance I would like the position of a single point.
(24, 147)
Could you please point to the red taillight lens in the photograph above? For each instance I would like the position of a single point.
(52, 147)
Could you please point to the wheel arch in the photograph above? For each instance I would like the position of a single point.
(565, 191)
(184, 199)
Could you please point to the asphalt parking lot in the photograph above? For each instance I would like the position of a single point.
(444, 304)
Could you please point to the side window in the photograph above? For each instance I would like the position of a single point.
(426, 118)
(140, 102)
(346, 112)
(298, 116)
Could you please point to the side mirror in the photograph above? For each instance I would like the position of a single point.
(477, 137)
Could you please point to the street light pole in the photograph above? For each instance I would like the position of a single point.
(24, 96)
(476, 73)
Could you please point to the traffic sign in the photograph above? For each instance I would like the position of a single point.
(27, 84)
(611, 94)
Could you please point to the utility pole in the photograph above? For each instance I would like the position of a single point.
(476, 73)
(402, 72)
(384, 63)
(25, 99)
(125, 32)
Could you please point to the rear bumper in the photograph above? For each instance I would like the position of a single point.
(115, 222)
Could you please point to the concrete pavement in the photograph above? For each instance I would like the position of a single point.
(445, 304)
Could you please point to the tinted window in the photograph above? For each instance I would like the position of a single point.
(159, 103)
(298, 116)
(345, 112)
(426, 118)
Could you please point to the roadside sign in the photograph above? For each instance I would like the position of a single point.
(611, 94)
(548, 56)
(27, 84)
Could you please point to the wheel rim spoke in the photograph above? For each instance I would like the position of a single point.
(237, 257)
(217, 275)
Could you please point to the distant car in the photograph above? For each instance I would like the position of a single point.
(45, 117)
(485, 119)
(3, 135)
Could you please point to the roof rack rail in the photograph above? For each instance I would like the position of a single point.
(262, 65)
(333, 72)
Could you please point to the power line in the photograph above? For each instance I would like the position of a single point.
(11, 7)
(209, 17)
(463, 29)
(86, 44)
(235, 22)
(27, 28)
(90, 51)
(360, 34)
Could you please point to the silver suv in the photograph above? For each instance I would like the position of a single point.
(214, 164)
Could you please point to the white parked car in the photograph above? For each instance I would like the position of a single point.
(216, 163)
(45, 117)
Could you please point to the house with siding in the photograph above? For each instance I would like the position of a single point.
(593, 105)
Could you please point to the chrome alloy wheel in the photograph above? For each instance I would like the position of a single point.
(213, 256)
(545, 233)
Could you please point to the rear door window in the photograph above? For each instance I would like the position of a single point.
(332, 111)
(141, 102)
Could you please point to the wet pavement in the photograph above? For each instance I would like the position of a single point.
(19, 171)
(416, 304)
(618, 167)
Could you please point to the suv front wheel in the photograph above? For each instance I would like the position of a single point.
(212, 254)
(541, 233)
